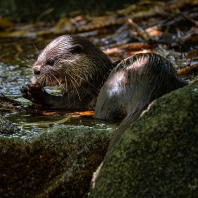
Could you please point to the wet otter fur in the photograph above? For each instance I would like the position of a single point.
(77, 65)
(132, 85)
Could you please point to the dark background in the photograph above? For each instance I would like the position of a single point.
(52, 10)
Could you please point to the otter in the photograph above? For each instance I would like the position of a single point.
(131, 86)
(77, 65)
(134, 83)
(122, 89)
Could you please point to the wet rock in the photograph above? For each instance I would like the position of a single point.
(58, 162)
(6, 127)
(157, 156)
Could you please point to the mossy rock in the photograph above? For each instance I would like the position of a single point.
(55, 163)
(157, 156)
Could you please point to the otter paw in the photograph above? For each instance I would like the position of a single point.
(24, 93)
(33, 92)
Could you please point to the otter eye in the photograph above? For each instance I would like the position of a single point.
(50, 62)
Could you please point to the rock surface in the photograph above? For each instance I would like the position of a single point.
(6, 127)
(55, 163)
(157, 156)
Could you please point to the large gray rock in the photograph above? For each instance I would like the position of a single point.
(55, 163)
(157, 156)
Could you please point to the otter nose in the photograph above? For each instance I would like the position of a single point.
(36, 70)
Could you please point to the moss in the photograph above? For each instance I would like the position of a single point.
(57, 163)
(158, 154)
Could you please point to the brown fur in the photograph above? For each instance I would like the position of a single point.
(132, 85)
(74, 63)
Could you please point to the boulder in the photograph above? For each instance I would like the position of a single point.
(58, 162)
(157, 156)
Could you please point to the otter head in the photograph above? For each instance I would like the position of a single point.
(72, 60)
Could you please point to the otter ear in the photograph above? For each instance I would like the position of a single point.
(76, 49)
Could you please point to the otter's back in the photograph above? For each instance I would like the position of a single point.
(134, 83)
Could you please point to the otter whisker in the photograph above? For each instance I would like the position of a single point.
(35, 48)
(51, 79)
(54, 78)
(41, 79)
(85, 88)
(66, 89)
(81, 78)
(80, 84)
(74, 80)
(29, 62)
(66, 85)
(46, 80)
(86, 81)
(76, 91)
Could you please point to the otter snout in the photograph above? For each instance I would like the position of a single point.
(37, 70)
